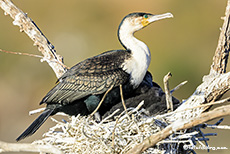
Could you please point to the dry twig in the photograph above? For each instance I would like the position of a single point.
(123, 102)
(23, 147)
(167, 92)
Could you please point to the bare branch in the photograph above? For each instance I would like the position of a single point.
(179, 125)
(28, 26)
(168, 95)
(23, 147)
(220, 58)
(210, 90)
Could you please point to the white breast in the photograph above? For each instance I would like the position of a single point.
(137, 65)
(139, 61)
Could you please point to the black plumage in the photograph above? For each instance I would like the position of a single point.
(91, 76)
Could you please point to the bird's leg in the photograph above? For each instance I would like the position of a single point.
(98, 106)
(123, 102)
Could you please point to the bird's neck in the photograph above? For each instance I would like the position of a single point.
(139, 62)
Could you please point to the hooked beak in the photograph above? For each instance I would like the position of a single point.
(159, 17)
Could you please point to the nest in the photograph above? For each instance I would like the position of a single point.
(82, 134)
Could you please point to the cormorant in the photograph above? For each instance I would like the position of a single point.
(80, 88)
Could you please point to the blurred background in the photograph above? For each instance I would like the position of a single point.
(183, 45)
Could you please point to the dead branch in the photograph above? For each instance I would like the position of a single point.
(210, 90)
(23, 147)
(168, 95)
(28, 26)
(179, 125)
(220, 58)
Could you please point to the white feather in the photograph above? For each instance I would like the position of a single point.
(139, 62)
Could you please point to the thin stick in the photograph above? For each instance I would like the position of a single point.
(123, 102)
(33, 55)
(109, 116)
(113, 133)
(20, 53)
(83, 130)
(98, 106)
(37, 111)
(168, 95)
(220, 127)
(178, 86)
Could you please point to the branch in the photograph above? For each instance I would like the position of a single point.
(220, 58)
(28, 26)
(23, 147)
(217, 82)
(210, 90)
(179, 125)
(168, 95)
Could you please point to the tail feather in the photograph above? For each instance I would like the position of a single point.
(36, 124)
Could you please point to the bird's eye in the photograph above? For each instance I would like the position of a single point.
(145, 16)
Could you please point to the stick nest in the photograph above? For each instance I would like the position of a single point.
(82, 134)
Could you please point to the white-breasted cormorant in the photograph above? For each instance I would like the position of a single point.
(80, 85)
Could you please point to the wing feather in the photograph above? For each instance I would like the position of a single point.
(91, 76)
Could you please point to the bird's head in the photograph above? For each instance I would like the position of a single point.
(136, 21)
